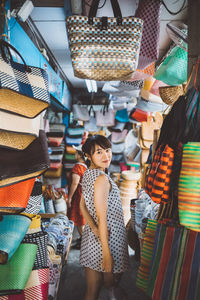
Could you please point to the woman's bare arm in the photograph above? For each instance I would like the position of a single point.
(101, 192)
(73, 187)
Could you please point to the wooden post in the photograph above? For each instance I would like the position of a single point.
(193, 34)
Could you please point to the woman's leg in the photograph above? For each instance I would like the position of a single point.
(116, 292)
(94, 282)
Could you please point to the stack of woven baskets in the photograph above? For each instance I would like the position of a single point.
(128, 190)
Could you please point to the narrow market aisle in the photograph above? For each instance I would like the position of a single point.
(72, 282)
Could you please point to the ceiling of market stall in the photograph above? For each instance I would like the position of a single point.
(49, 18)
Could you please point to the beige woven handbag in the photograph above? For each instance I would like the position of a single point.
(170, 94)
(104, 48)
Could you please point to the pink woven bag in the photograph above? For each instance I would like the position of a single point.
(149, 11)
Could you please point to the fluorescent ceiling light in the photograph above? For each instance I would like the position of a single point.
(91, 86)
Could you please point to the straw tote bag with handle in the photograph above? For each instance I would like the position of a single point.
(104, 48)
(24, 90)
(17, 132)
(17, 166)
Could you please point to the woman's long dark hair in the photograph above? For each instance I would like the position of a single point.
(89, 145)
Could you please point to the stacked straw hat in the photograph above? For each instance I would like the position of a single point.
(128, 190)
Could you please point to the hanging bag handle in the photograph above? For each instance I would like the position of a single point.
(91, 110)
(6, 46)
(116, 11)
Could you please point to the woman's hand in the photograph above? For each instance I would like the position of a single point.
(108, 263)
(107, 266)
(69, 202)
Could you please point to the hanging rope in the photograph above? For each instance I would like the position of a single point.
(172, 12)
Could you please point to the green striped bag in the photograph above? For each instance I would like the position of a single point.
(189, 187)
(146, 255)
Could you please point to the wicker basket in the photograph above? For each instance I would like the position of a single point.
(170, 94)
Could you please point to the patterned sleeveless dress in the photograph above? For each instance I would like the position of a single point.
(91, 252)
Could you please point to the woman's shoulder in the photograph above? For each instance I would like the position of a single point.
(93, 173)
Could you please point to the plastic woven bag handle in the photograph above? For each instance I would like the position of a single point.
(115, 7)
(5, 45)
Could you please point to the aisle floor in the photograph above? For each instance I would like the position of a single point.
(72, 282)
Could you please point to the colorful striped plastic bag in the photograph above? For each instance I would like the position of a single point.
(158, 181)
(163, 267)
(189, 187)
(175, 266)
(186, 282)
(146, 255)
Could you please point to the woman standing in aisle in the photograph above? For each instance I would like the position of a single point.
(104, 250)
(75, 193)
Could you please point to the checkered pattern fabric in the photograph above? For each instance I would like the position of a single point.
(32, 84)
(149, 11)
(108, 54)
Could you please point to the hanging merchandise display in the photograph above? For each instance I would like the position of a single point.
(149, 11)
(114, 56)
(158, 181)
(35, 200)
(80, 112)
(146, 255)
(119, 137)
(12, 231)
(175, 263)
(188, 191)
(17, 132)
(36, 287)
(173, 70)
(39, 238)
(20, 165)
(151, 92)
(150, 106)
(21, 264)
(14, 198)
(141, 74)
(24, 89)
(122, 116)
(138, 115)
(170, 94)
(178, 32)
(123, 88)
(105, 117)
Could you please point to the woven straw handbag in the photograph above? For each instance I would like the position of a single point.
(17, 132)
(104, 48)
(170, 94)
(31, 162)
(24, 90)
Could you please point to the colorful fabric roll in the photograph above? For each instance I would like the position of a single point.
(189, 187)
